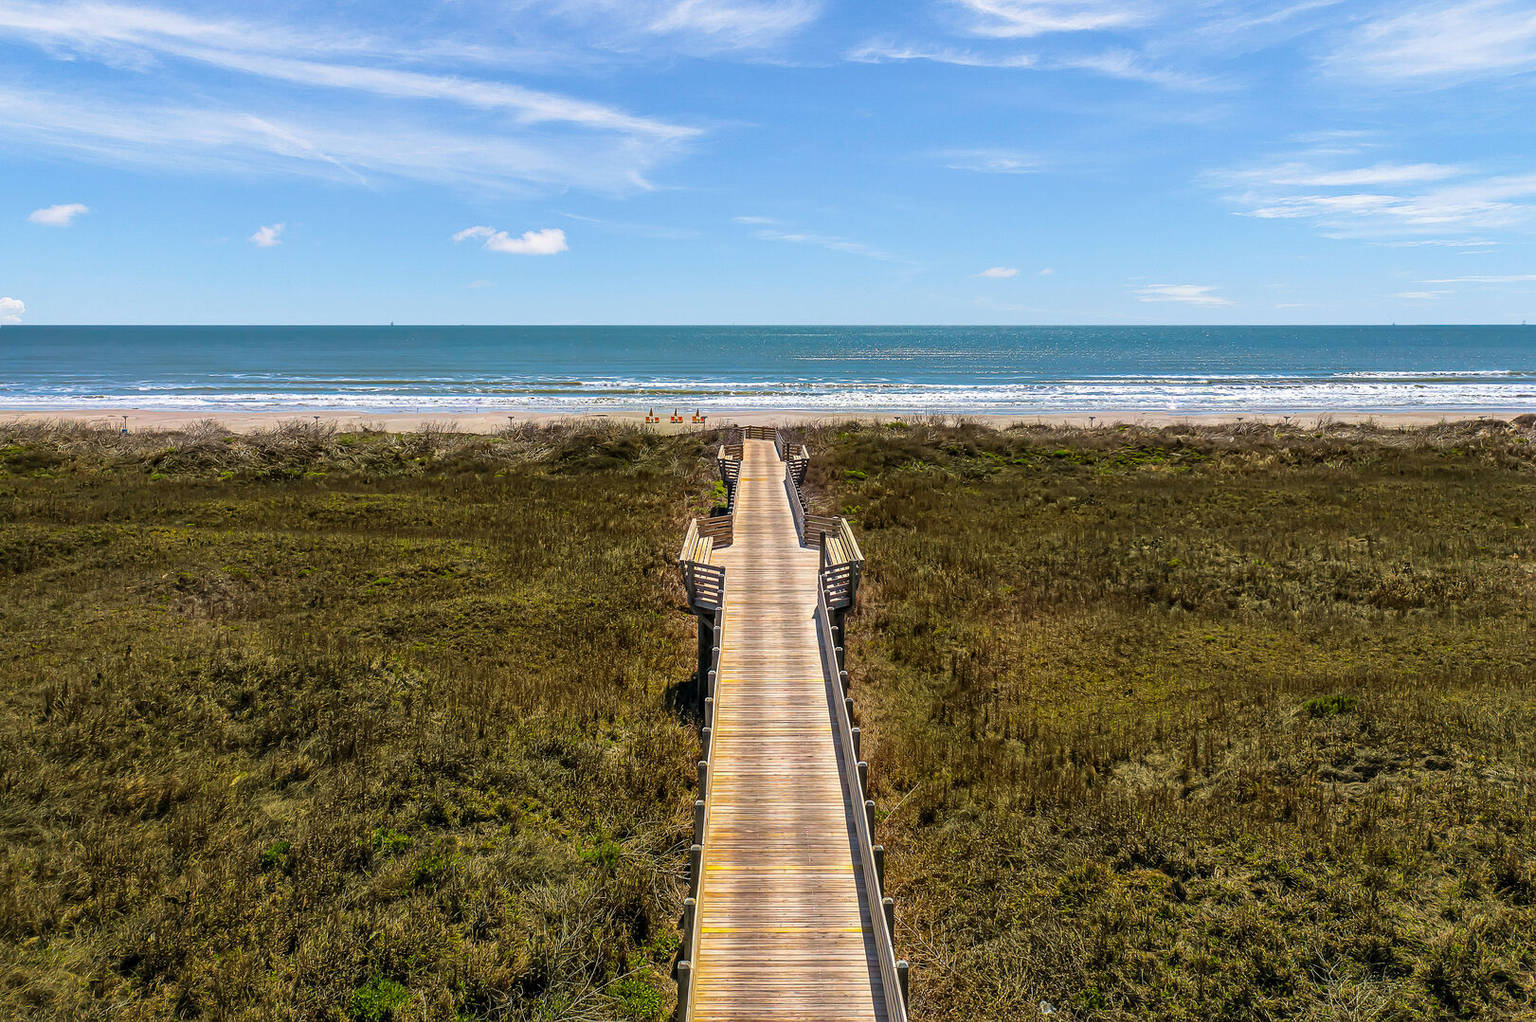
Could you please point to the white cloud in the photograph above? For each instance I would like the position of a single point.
(753, 220)
(1435, 43)
(1014, 19)
(1421, 296)
(1047, 272)
(11, 310)
(61, 215)
(548, 241)
(1188, 294)
(999, 272)
(990, 161)
(267, 237)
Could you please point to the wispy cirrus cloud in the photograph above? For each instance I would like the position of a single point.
(1431, 44)
(1113, 63)
(999, 272)
(61, 215)
(830, 242)
(991, 161)
(663, 28)
(1022, 19)
(879, 51)
(736, 25)
(1185, 294)
(1062, 35)
(1420, 203)
(531, 138)
(1508, 278)
(769, 229)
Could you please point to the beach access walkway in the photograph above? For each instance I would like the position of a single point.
(787, 920)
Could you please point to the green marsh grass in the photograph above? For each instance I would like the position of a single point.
(315, 725)
(1200, 723)
(1191, 723)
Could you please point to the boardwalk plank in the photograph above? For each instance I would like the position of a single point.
(785, 931)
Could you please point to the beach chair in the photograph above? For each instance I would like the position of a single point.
(651, 416)
(676, 417)
(697, 418)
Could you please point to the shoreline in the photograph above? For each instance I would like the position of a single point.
(491, 422)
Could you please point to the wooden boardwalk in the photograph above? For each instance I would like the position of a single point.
(784, 926)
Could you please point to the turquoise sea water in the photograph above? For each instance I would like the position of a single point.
(900, 369)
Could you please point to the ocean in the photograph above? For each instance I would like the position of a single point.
(1177, 370)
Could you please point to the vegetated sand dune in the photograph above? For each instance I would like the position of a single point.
(316, 725)
(1223, 721)
(1198, 724)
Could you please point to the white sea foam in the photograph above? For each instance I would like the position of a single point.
(1359, 392)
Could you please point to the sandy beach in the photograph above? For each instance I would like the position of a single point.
(490, 422)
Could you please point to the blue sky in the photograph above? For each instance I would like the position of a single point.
(749, 161)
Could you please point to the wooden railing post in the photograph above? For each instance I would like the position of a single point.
(684, 986)
(706, 645)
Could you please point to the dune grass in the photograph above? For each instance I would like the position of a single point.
(1225, 723)
(1222, 723)
(341, 726)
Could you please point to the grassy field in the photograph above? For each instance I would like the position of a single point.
(1175, 724)
(317, 726)
(1201, 724)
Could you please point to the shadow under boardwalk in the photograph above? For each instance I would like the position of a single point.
(785, 930)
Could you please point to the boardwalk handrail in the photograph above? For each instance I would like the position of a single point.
(705, 585)
(882, 910)
(703, 581)
(728, 462)
(692, 916)
(841, 564)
